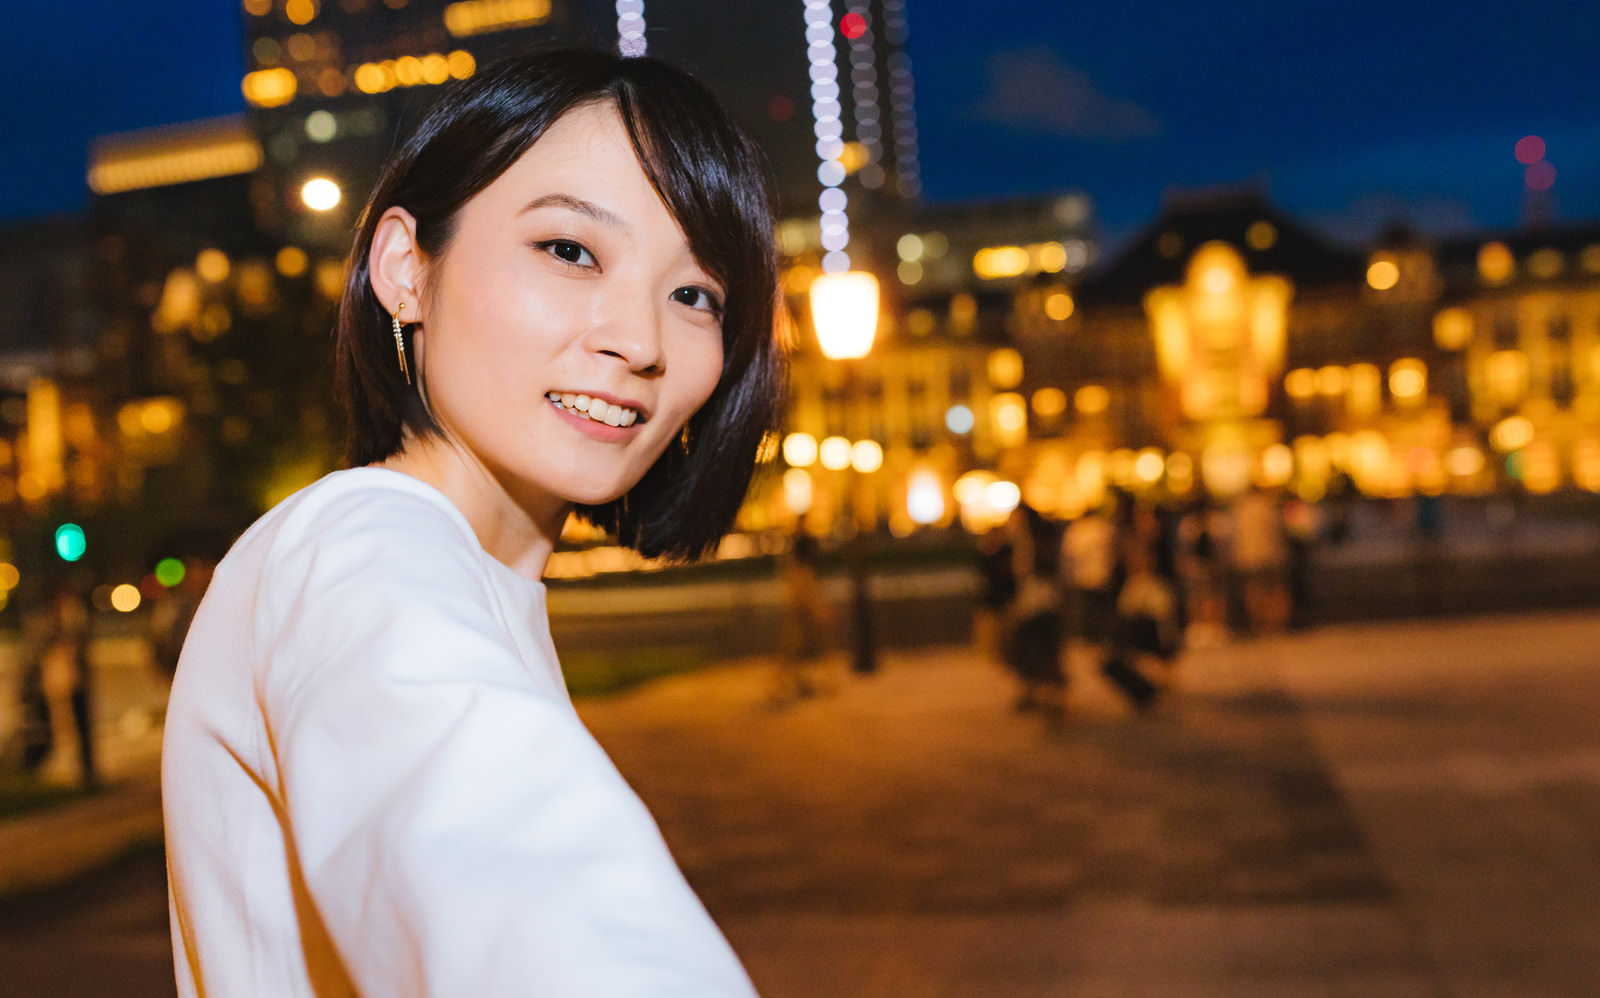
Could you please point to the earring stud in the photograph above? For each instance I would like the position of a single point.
(400, 342)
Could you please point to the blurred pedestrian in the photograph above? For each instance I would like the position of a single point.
(560, 299)
(1260, 556)
(59, 637)
(805, 617)
(997, 588)
(1090, 551)
(1201, 535)
(1034, 625)
(1302, 528)
(172, 614)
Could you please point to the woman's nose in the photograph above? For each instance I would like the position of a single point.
(630, 330)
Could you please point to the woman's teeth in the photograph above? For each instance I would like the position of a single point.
(598, 410)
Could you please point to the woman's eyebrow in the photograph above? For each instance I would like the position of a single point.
(602, 215)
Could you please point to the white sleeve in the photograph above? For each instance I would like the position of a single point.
(458, 830)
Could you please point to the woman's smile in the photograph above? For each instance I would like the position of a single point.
(594, 408)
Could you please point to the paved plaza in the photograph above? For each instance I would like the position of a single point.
(1401, 809)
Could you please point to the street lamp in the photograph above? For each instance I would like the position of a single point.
(844, 311)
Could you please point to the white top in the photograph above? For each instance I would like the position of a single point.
(375, 783)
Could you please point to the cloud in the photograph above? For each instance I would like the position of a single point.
(1034, 90)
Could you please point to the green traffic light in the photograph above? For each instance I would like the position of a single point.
(169, 572)
(70, 542)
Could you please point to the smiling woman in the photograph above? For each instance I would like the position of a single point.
(561, 296)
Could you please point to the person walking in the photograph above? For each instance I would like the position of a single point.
(1034, 624)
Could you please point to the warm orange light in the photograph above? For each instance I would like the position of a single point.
(1507, 374)
(1049, 402)
(1049, 258)
(1452, 328)
(1332, 380)
(1495, 262)
(1511, 433)
(269, 87)
(1092, 400)
(291, 261)
(125, 598)
(1005, 368)
(476, 17)
(1300, 383)
(835, 453)
(461, 63)
(866, 456)
(1383, 274)
(1408, 379)
(800, 450)
(993, 262)
(300, 11)
(1261, 235)
(1058, 306)
(212, 266)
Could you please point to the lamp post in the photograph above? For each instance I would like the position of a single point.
(844, 311)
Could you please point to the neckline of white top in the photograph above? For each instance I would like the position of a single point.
(417, 486)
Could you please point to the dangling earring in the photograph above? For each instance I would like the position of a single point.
(683, 440)
(400, 342)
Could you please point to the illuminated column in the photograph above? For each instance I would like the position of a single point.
(630, 28)
(857, 26)
(826, 112)
(902, 106)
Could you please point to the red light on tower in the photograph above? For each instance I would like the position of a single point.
(852, 25)
(1540, 176)
(1530, 150)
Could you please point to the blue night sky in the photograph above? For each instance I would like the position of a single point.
(1348, 114)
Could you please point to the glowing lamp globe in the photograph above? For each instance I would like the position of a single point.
(844, 309)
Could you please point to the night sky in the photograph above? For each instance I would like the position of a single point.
(1347, 114)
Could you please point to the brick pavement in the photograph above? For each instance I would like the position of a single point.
(911, 835)
(1367, 810)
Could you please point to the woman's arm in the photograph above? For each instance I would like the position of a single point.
(458, 830)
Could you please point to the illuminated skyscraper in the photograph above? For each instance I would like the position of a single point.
(331, 83)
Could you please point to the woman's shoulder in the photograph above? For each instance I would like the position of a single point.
(381, 521)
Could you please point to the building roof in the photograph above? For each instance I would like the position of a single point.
(1269, 241)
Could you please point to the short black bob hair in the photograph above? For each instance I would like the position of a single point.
(712, 179)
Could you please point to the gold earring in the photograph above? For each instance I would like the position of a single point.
(683, 440)
(400, 342)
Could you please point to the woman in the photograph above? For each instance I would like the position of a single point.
(560, 297)
(1033, 646)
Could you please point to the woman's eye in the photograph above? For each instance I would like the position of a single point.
(698, 298)
(568, 252)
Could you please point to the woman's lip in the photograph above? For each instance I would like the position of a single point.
(598, 430)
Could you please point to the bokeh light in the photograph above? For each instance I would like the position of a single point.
(1529, 150)
(866, 456)
(958, 419)
(71, 544)
(835, 453)
(321, 194)
(126, 598)
(169, 571)
(1383, 274)
(800, 450)
(1541, 176)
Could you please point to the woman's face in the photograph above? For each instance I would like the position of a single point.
(568, 332)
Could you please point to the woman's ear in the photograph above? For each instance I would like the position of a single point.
(395, 264)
